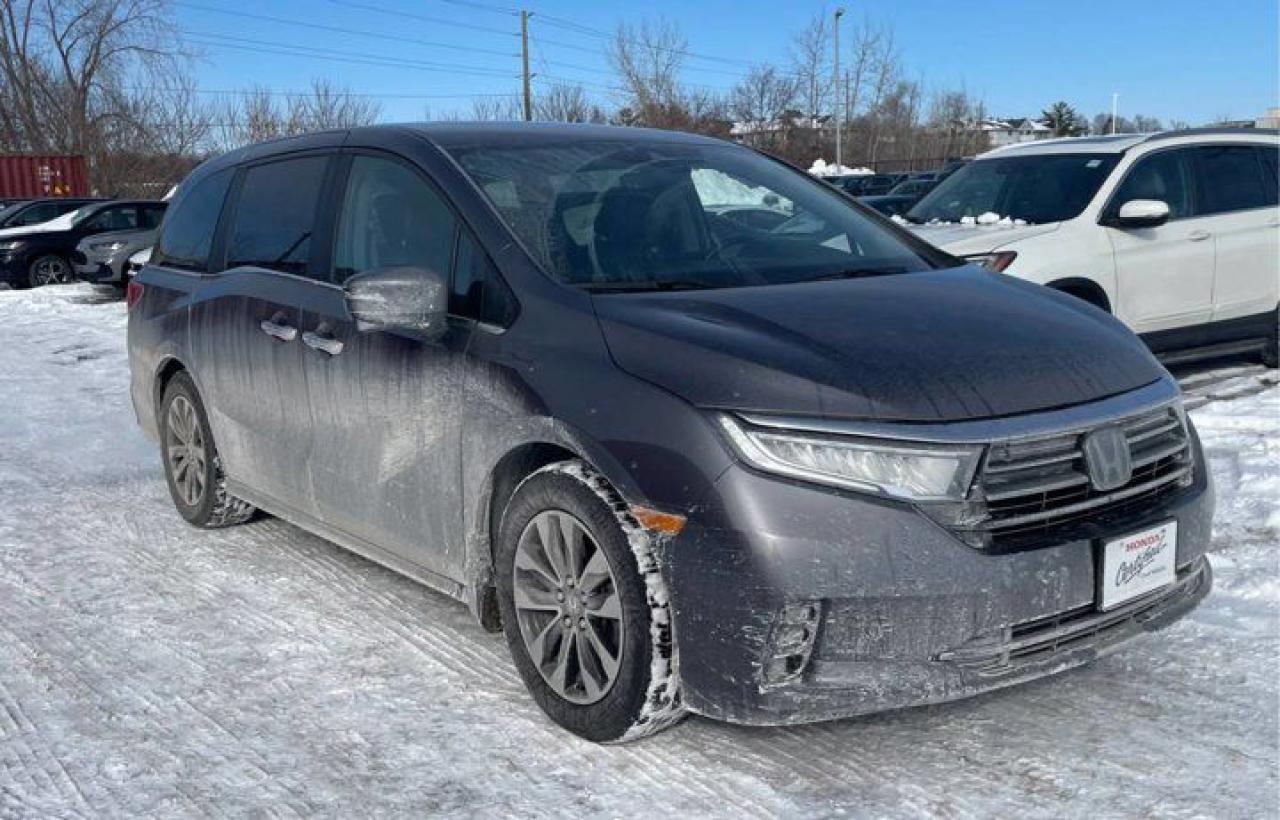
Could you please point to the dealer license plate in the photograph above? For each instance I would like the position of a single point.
(1137, 564)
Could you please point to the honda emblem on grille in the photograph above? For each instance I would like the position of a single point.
(1106, 457)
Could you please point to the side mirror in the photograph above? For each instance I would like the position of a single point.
(1142, 213)
(409, 299)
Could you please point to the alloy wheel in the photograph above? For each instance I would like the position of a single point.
(568, 607)
(50, 270)
(185, 449)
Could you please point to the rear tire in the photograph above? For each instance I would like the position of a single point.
(1271, 353)
(192, 468)
(563, 604)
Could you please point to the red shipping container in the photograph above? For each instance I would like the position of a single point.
(26, 176)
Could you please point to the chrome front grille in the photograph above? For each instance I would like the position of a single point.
(1029, 489)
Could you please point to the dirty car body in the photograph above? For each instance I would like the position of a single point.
(798, 590)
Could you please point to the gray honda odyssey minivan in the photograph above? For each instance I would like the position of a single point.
(696, 431)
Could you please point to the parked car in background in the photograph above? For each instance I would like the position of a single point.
(766, 473)
(101, 258)
(24, 213)
(1174, 233)
(865, 184)
(890, 204)
(41, 254)
(916, 188)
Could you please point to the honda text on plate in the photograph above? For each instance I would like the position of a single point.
(695, 430)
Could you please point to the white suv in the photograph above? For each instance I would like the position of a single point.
(1177, 234)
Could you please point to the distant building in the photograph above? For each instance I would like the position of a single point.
(1271, 119)
(1011, 131)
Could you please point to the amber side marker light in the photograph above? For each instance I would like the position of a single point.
(665, 523)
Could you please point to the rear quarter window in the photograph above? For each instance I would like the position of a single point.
(187, 235)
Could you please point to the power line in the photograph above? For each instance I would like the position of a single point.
(341, 30)
(274, 92)
(422, 17)
(268, 47)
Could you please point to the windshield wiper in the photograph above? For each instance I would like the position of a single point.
(644, 285)
(854, 273)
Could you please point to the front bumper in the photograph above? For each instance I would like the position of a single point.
(98, 269)
(907, 614)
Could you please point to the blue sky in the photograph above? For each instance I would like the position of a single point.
(1174, 59)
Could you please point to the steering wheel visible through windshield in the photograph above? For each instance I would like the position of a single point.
(609, 215)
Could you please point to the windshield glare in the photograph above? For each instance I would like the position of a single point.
(613, 216)
(1036, 189)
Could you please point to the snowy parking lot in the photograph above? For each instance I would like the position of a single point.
(149, 668)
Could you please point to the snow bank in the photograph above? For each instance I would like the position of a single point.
(821, 168)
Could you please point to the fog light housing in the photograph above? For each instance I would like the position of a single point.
(790, 644)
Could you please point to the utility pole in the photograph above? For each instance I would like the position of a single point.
(837, 89)
(1115, 99)
(524, 59)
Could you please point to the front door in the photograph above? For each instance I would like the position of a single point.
(1164, 275)
(385, 459)
(246, 329)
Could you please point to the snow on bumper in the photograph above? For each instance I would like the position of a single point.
(909, 615)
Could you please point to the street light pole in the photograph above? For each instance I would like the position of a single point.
(836, 88)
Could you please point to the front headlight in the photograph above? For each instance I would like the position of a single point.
(998, 261)
(907, 470)
(11, 246)
(106, 247)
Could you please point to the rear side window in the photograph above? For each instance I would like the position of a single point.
(1270, 156)
(479, 291)
(1164, 176)
(188, 230)
(391, 217)
(275, 215)
(1231, 178)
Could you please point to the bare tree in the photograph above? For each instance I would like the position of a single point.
(566, 103)
(259, 114)
(64, 68)
(648, 59)
(811, 63)
(488, 109)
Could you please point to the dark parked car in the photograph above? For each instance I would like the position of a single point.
(102, 258)
(890, 204)
(25, 212)
(866, 184)
(913, 187)
(41, 254)
(768, 474)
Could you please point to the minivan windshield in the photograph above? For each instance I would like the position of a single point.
(1036, 189)
(614, 216)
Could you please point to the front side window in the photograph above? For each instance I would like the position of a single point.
(391, 217)
(1165, 177)
(149, 216)
(1231, 178)
(275, 215)
(478, 290)
(1270, 155)
(1036, 189)
(605, 215)
(188, 233)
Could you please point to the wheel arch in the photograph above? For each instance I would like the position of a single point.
(1084, 289)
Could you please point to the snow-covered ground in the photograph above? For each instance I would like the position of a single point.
(150, 668)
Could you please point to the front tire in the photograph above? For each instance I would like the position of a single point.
(583, 620)
(192, 468)
(49, 269)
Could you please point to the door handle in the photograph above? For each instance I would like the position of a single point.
(1198, 236)
(277, 327)
(322, 342)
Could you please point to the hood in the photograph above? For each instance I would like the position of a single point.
(948, 345)
(958, 240)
